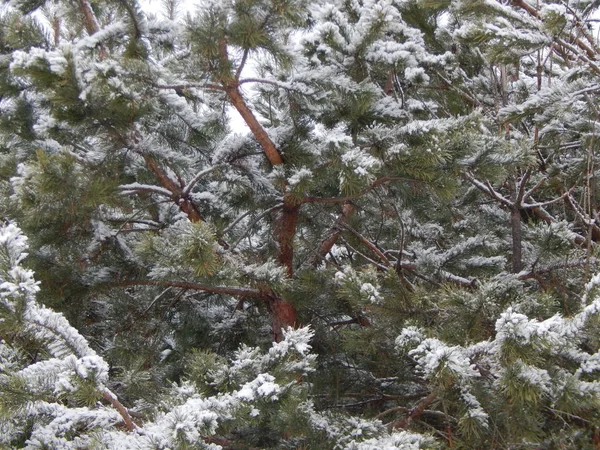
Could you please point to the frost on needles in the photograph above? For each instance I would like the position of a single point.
(54, 387)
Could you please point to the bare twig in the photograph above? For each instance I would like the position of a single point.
(114, 401)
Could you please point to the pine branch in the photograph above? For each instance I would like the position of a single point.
(221, 290)
(242, 64)
(580, 213)
(278, 84)
(188, 187)
(133, 188)
(585, 57)
(372, 261)
(521, 187)
(591, 53)
(536, 273)
(348, 198)
(249, 228)
(549, 202)
(417, 410)
(370, 245)
(90, 22)
(487, 189)
(334, 233)
(182, 200)
(232, 90)
(531, 191)
(114, 401)
(179, 87)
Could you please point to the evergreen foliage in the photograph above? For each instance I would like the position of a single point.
(344, 224)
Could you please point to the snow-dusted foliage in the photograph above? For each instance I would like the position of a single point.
(251, 385)
(299, 224)
(523, 365)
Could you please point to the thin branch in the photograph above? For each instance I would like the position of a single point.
(533, 274)
(580, 23)
(271, 82)
(590, 53)
(334, 233)
(177, 87)
(531, 191)
(221, 290)
(549, 202)
(188, 187)
(348, 198)
(182, 201)
(417, 410)
(127, 189)
(521, 189)
(403, 409)
(585, 58)
(369, 244)
(488, 189)
(358, 252)
(157, 298)
(236, 221)
(242, 64)
(254, 222)
(114, 401)
(461, 281)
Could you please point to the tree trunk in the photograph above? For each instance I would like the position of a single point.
(515, 224)
(283, 315)
(285, 230)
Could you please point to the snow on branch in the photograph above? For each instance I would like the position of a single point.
(73, 358)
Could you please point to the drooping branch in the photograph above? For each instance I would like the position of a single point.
(251, 225)
(572, 204)
(487, 189)
(136, 187)
(188, 187)
(370, 245)
(275, 83)
(590, 52)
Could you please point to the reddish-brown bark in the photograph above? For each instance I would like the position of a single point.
(283, 314)
(328, 243)
(236, 99)
(285, 231)
(114, 401)
(179, 197)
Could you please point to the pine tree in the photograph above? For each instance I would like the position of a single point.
(51, 381)
(416, 182)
